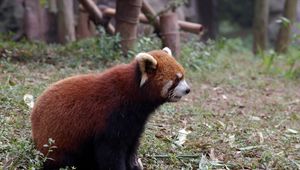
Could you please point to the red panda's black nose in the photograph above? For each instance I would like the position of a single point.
(187, 91)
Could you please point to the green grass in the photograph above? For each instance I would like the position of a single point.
(243, 111)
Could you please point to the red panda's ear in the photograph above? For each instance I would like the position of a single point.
(167, 50)
(146, 63)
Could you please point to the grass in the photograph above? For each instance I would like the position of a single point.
(243, 112)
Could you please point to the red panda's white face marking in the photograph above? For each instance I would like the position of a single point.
(177, 89)
(180, 90)
(165, 89)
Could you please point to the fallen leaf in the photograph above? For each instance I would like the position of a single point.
(28, 99)
(231, 140)
(247, 148)
(292, 131)
(254, 118)
(181, 138)
(203, 163)
(261, 137)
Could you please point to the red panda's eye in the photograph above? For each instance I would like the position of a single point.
(177, 79)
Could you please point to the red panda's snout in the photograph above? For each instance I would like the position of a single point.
(179, 91)
(174, 91)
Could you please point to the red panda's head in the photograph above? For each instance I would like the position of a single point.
(162, 74)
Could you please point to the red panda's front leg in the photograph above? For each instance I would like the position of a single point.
(109, 156)
(132, 161)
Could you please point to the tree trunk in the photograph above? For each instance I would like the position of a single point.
(284, 35)
(170, 32)
(208, 18)
(66, 22)
(260, 25)
(44, 24)
(53, 6)
(52, 14)
(84, 27)
(32, 22)
(127, 17)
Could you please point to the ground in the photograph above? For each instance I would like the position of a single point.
(243, 112)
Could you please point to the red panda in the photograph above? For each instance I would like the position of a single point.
(96, 120)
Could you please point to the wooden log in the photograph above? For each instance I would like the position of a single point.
(149, 13)
(191, 27)
(96, 15)
(111, 29)
(127, 18)
(111, 12)
(183, 25)
(170, 32)
(92, 9)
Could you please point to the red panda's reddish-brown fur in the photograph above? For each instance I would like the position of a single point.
(97, 119)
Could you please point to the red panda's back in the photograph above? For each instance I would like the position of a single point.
(67, 112)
